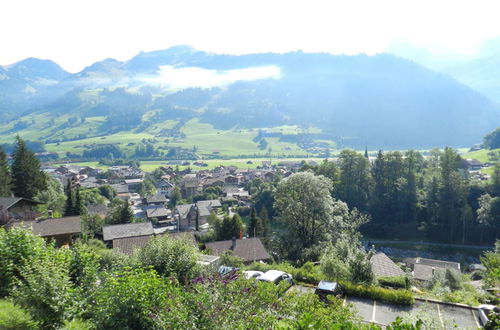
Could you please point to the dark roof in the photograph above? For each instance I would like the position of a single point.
(120, 188)
(54, 227)
(127, 245)
(97, 209)
(434, 263)
(156, 199)
(205, 207)
(127, 230)
(155, 212)
(183, 210)
(8, 202)
(425, 272)
(382, 265)
(250, 249)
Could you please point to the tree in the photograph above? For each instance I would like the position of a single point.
(492, 140)
(27, 178)
(170, 256)
(122, 213)
(5, 179)
(78, 208)
(69, 209)
(354, 186)
(305, 207)
(53, 198)
(255, 226)
(453, 191)
(176, 197)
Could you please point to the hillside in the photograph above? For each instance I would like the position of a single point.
(302, 102)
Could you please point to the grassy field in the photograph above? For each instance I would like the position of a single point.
(480, 155)
(150, 166)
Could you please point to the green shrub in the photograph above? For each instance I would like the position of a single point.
(77, 324)
(170, 256)
(13, 317)
(129, 299)
(18, 248)
(228, 259)
(400, 297)
(46, 290)
(394, 281)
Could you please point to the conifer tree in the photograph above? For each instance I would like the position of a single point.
(69, 208)
(78, 207)
(126, 214)
(27, 178)
(5, 179)
(255, 225)
(264, 220)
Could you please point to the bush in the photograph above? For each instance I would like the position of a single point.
(129, 299)
(13, 317)
(228, 259)
(401, 282)
(18, 248)
(46, 290)
(401, 297)
(170, 256)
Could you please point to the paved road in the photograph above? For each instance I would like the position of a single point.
(446, 316)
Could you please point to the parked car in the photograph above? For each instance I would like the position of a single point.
(252, 274)
(325, 288)
(276, 276)
(227, 270)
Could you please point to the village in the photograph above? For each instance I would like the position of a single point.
(171, 202)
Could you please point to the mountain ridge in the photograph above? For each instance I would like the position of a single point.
(380, 100)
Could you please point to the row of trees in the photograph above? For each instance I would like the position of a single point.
(408, 195)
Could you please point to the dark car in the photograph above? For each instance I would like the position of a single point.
(325, 288)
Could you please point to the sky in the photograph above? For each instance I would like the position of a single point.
(77, 33)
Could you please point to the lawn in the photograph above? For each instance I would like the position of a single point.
(480, 155)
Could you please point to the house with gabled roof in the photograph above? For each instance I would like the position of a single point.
(19, 208)
(249, 250)
(112, 232)
(62, 230)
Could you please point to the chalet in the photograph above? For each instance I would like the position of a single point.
(204, 209)
(159, 213)
(133, 184)
(165, 188)
(249, 250)
(62, 230)
(423, 269)
(186, 216)
(97, 209)
(19, 208)
(383, 266)
(190, 187)
(473, 164)
(157, 200)
(127, 245)
(113, 232)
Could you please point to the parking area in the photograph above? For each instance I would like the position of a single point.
(446, 316)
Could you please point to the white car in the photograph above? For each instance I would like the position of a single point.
(252, 274)
(276, 276)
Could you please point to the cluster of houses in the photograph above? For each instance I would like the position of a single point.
(183, 219)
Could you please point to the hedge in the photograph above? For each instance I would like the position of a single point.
(401, 297)
(311, 274)
(394, 281)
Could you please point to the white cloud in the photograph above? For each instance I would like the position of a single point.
(179, 78)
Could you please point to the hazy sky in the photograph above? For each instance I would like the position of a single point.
(77, 33)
